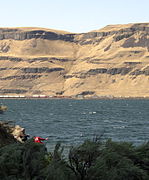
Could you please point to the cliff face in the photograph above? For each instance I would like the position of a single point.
(113, 61)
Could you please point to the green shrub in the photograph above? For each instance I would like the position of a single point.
(112, 166)
(92, 160)
(22, 160)
(118, 162)
(81, 158)
(58, 168)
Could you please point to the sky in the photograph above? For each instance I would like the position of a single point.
(75, 16)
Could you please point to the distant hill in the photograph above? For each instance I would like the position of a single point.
(112, 61)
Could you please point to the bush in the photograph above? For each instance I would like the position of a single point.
(22, 161)
(92, 160)
(81, 158)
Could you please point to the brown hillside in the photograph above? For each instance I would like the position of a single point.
(113, 61)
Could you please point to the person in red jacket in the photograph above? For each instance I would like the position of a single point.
(39, 139)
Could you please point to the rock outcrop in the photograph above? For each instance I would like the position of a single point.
(5, 134)
(112, 61)
(18, 34)
(10, 133)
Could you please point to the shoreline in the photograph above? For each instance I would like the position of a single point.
(76, 98)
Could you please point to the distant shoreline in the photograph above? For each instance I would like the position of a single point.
(77, 98)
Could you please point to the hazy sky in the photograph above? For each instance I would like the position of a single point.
(72, 15)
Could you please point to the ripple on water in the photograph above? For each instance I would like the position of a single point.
(72, 121)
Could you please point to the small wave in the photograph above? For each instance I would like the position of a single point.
(83, 112)
(119, 127)
(92, 112)
(106, 121)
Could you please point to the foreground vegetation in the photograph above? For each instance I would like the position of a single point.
(92, 160)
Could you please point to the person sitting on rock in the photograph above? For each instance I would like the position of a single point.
(39, 139)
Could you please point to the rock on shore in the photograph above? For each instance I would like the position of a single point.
(10, 133)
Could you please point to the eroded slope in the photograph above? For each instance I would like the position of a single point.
(111, 61)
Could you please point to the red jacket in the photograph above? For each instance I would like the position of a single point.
(39, 139)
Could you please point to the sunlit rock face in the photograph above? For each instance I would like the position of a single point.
(11, 133)
(113, 61)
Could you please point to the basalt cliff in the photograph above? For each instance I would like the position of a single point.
(112, 61)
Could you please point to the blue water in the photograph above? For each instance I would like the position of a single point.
(72, 121)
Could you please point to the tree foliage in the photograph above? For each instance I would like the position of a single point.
(92, 160)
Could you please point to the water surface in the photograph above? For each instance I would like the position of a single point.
(72, 121)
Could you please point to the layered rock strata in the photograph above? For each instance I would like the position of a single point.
(113, 61)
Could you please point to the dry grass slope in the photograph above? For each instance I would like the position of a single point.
(113, 61)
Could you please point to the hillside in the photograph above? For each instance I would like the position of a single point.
(113, 61)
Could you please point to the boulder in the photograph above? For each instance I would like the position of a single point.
(18, 132)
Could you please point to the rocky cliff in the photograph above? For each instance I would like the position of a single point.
(113, 61)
